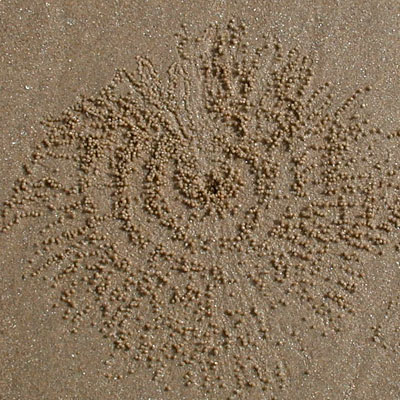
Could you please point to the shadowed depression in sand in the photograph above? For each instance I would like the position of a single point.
(207, 219)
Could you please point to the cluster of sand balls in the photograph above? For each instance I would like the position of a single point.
(189, 216)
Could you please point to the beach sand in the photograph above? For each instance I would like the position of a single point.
(200, 200)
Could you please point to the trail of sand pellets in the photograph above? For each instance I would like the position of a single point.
(194, 217)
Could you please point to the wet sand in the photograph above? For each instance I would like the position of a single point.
(200, 201)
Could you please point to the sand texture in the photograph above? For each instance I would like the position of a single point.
(200, 200)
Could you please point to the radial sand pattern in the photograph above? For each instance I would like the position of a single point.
(194, 216)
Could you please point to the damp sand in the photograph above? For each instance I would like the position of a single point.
(219, 226)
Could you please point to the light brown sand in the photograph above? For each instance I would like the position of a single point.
(219, 221)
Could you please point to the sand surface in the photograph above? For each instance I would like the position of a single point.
(199, 200)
